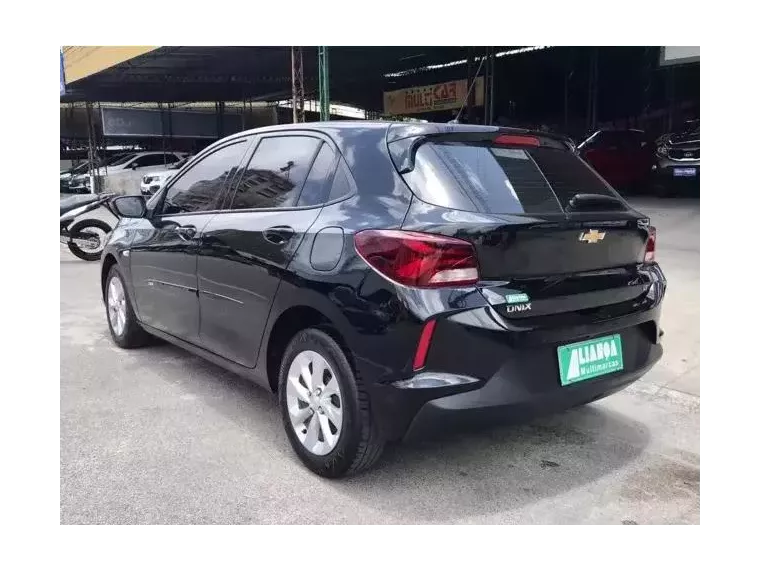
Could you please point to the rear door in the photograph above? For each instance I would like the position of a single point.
(520, 207)
(246, 249)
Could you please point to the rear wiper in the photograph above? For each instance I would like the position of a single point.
(594, 203)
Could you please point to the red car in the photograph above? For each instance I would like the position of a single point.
(623, 157)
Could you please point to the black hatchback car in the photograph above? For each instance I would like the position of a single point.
(392, 280)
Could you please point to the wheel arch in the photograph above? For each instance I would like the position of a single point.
(289, 323)
(108, 261)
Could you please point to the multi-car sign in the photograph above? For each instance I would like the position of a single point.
(437, 97)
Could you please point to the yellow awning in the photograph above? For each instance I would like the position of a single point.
(82, 61)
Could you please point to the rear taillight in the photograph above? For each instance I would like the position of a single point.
(418, 260)
(651, 240)
(517, 140)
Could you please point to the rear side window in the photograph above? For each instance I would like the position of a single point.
(341, 185)
(317, 184)
(276, 173)
(500, 180)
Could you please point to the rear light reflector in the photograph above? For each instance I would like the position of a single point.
(424, 345)
(417, 259)
(651, 241)
(517, 140)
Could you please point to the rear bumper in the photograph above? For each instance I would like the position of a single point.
(498, 376)
(514, 396)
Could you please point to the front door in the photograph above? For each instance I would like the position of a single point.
(245, 251)
(164, 255)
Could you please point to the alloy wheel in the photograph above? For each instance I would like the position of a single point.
(315, 402)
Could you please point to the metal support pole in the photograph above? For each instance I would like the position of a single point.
(470, 79)
(324, 84)
(487, 87)
(592, 89)
(90, 146)
(671, 91)
(296, 64)
(647, 91)
(567, 75)
(491, 82)
(220, 119)
(595, 93)
(163, 130)
(103, 144)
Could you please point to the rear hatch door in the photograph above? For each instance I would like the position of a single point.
(547, 229)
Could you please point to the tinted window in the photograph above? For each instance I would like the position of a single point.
(494, 179)
(154, 160)
(341, 185)
(317, 185)
(568, 175)
(118, 160)
(199, 188)
(276, 173)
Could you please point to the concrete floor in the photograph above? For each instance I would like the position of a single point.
(159, 436)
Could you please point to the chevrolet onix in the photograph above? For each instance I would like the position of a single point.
(391, 280)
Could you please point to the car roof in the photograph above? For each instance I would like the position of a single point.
(137, 153)
(345, 132)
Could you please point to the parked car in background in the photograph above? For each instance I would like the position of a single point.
(153, 181)
(390, 280)
(124, 174)
(76, 180)
(623, 157)
(70, 173)
(677, 159)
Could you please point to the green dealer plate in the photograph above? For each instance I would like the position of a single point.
(589, 359)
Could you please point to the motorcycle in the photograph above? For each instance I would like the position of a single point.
(85, 238)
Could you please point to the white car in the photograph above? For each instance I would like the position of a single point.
(154, 181)
(123, 176)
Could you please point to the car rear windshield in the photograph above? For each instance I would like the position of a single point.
(501, 180)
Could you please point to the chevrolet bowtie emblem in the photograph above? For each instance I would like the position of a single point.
(591, 236)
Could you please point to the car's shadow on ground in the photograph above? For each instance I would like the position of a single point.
(500, 468)
(486, 471)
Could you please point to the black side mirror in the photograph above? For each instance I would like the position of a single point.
(129, 206)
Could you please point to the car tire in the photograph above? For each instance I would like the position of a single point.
(358, 444)
(126, 331)
(82, 227)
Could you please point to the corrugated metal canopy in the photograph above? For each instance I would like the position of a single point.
(185, 73)
(83, 61)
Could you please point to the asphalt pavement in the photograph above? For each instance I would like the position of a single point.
(159, 436)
